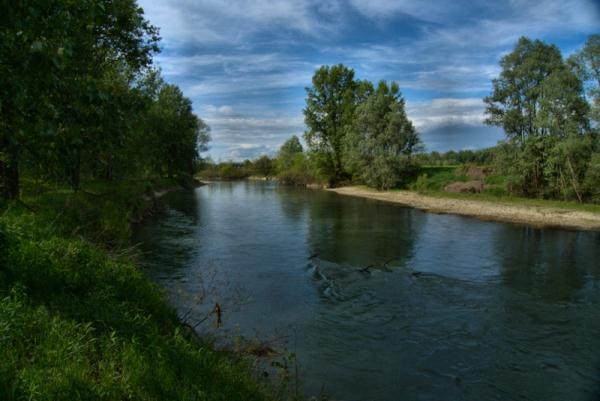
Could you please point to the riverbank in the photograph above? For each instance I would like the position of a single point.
(530, 213)
(79, 319)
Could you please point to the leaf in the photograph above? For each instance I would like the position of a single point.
(37, 46)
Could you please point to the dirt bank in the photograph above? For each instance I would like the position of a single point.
(486, 210)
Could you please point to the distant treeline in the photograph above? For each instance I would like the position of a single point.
(548, 107)
(356, 131)
(79, 98)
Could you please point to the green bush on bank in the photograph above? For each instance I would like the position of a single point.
(78, 324)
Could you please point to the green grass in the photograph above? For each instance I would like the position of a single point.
(439, 177)
(431, 181)
(78, 324)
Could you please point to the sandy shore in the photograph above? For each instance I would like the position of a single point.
(486, 210)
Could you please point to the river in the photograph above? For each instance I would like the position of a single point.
(452, 308)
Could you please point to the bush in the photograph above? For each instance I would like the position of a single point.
(592, 179)
(76, 324)
(422, 184)
(299, 172)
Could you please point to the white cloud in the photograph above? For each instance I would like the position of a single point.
(427, 10)
(427, 115)
(245, 151)
(217, 21)
(244, 62)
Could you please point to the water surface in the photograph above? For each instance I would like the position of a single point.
(453, 307)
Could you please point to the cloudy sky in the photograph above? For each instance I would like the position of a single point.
(245, 63)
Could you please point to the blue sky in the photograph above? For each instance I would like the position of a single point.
(245, 63)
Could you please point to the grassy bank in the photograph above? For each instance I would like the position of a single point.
(431, 181)
(79, 321)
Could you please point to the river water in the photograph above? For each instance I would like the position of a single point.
(452, 308)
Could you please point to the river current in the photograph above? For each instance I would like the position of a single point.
(384, 302)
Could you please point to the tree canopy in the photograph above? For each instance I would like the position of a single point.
(351, 126)
(539, 101)
(381, 139)
(75, 97)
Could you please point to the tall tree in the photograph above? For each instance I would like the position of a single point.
(263, 166)
(288, 152)
(586, 64)
(330, 105)
(380, 144)
(176, 133)
(539, 101)
(54, 56)
(515, 100)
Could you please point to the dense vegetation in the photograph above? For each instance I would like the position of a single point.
(89, 129)
(79, 98)
(356, 132)
(548, 107)
(78, 323)
(552, 148)
(88, 132)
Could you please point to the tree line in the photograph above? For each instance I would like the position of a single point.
(356, 132)
(80, 99)
(548, 107)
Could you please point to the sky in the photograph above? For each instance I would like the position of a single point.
(246, 63)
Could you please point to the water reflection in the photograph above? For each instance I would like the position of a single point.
(465, 309)
(549, 264)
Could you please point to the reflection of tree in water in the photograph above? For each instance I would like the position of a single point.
(548, 264)
(294, 201)
(167, 240)
(185, 202)
(360, 232)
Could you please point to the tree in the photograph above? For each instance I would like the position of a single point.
(562, 108)
(288, 152)
(539, 102)
(586, 65)
(54, 61)
(515, 99)
(382, 140)
(330, 105)
(263, 166)
(177, 134)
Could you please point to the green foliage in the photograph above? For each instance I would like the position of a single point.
(586, 65)
(78, 98)
(175, 132)
(287, 153)
(539, 101)
(452, 158)
(330, 105)
(422, 183)
(226, 171)
(76, 324)
(536, 94)
(300, 172)
(433, 178)
(355, 131)
(100, 213)
(381, 140)
(264, 166)
(592, 178)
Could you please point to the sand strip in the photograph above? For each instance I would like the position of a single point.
(485, 210)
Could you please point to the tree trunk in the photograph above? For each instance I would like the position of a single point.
(574, 181)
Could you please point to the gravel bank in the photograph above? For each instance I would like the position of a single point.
(485, 210)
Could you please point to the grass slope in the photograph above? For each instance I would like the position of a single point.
(79, 324)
